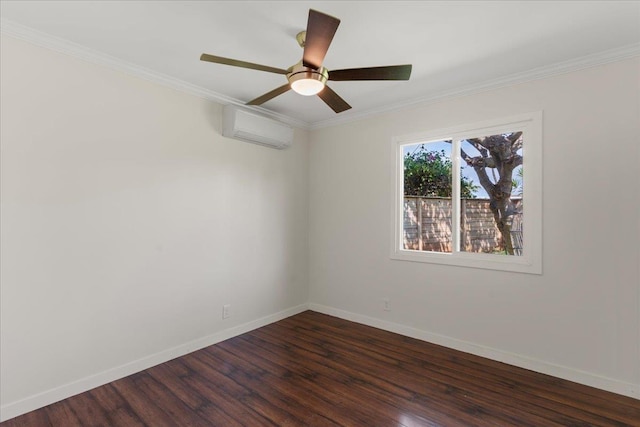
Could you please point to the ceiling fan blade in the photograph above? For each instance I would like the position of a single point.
(243, 64)
(320, 31)
(269, 95)
(333, 100)
(392, 72)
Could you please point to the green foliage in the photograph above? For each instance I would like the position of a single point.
(428, 174)
(516, 183)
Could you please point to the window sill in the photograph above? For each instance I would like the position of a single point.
(516, 264)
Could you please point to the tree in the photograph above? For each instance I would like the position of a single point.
(500, 155)
(428, 174)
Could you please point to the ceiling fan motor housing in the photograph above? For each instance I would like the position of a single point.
(299, 72)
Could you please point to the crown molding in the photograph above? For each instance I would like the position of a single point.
(76, 50)
(576, 64)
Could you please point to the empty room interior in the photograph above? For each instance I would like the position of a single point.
(319, 213)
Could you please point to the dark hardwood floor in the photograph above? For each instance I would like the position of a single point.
(316, 370)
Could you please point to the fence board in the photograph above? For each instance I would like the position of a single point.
(427, 226)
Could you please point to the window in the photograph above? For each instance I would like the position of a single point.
(471, 195)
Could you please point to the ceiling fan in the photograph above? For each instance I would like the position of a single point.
(308, 77)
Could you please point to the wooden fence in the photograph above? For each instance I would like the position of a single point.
(427, 226)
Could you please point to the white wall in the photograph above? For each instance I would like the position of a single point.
(581, 318)
(127, 222)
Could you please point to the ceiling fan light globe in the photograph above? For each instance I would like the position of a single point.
(307, 81)
(307, 87)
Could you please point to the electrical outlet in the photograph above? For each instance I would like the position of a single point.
(386, 305)
(226, 311)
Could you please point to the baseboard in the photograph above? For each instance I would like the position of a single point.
(581, 377)
(48, 397)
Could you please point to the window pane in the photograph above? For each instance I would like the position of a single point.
(492, 194)
(427, 197)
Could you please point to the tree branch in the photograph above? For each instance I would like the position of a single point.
(514, 137)
(485, 162)
(484, 179)
(517, 160)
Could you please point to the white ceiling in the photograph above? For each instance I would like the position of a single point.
(452, 45)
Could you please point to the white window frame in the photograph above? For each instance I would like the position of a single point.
(531, 259)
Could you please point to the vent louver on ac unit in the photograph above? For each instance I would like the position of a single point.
(251, 127)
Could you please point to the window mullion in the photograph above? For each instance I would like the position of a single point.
(455, 195)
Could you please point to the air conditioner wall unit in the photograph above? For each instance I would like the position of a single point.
(251, 127)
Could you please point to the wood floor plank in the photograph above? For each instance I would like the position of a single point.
(344, 386)
(567, 394)
(261, 400)
(200, 403)
(117, 409)
(226, 412)
(228, 395)
(278, 390)
(61, 413)
(316, 370)
(312, 387)
(484, 393)
(34, 418)
(89, 413)
(142, 405)
(426, 391)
